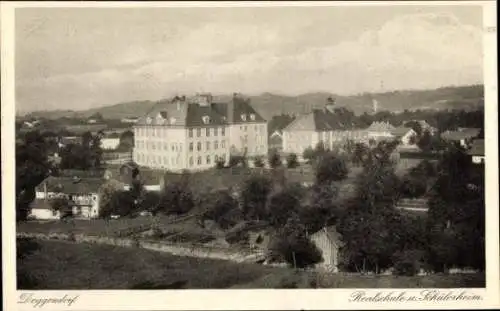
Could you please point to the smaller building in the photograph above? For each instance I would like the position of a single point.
(110, 143)
(82, 194)
(463, 136)
(407, 136)
(380, 130)
(476, 151)
(328, 241)
(276, 141)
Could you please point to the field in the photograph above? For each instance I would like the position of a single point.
(63, 265)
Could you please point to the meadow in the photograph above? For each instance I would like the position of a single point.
(65, 265)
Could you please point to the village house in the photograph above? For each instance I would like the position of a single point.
(425, 126)
(195, 133)
(476, 151)
(405, 135)
(330, 126)
(82, 193)
(110, 143)
(328, 241)
(463, 136)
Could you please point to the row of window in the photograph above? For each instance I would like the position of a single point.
(207, 132)
(208, 145)
(257, 128)
(157, 159)
(158, 145)
(174, 161)
(206, 160)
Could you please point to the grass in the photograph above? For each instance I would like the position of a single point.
(63, 265)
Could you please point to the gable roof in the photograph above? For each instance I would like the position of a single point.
(477, 147)
(380, 127)
(189, 112)
(401, 131)
(461, 133)
(71, 185)
(323, 120)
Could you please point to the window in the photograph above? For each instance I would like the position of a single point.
(216, 145)
(190, 146)
(154, 146)
(223, 144)
(243, 117)
(198, 132)
(208, 159)
(216, 158)
(199, 161)
(223, 131)
(190, 133)
(216, 130)
(252, 117)
(148, 120)
(198, 146)
(173, 147)
(191, 162)
(165, 146)
(208, 145)
(207, 132)
(245, 128)
(205, 119)
(180, 147)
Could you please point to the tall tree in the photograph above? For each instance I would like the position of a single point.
(254, 197)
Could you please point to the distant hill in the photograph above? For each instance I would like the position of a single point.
(461, 97)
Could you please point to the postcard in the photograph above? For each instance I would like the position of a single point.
(249, 155)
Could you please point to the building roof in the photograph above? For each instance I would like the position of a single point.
(400, 131)
(323, 120)
(461, 133)
(380, 127)
(477, 147)
(193, 113)
(71, 184)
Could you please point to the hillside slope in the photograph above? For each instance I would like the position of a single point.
(462, 97)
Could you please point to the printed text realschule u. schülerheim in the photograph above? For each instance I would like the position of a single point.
(430, 295)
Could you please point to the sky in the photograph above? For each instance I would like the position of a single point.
(81, 58)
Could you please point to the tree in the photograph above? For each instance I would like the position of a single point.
(308, 154)
(283, 204)
(254, 196)
(257, 162)
(122, 203)
(218, 206)
(359, 152)
(63, 206)
(416, 126)
(176, 199)
(323, 209)
(32, 168)
(274, 159)
(126, 141)
(150, 202)
(292, 245)
(106, 194)
(219, 163)
(371, 226)
(424, 142)
(292, 161)
(331, 168)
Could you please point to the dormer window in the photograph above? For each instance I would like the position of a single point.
(252, 117)
(244, 117)
(173, 120)
(148, 120)
(205, 119)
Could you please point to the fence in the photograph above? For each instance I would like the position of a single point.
(188, 250)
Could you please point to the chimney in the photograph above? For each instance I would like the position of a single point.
(230, 109)
(330, 105)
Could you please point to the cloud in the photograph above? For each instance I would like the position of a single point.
(408, 51)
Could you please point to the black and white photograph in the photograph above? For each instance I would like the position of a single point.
(250, 147)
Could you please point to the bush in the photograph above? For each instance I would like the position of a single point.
(274, 159)
(220, 163)
(413, 187)
(292, 161)
(176, 199)
(331, 168)
(408, 263)
(257, 162)
(308, 154)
